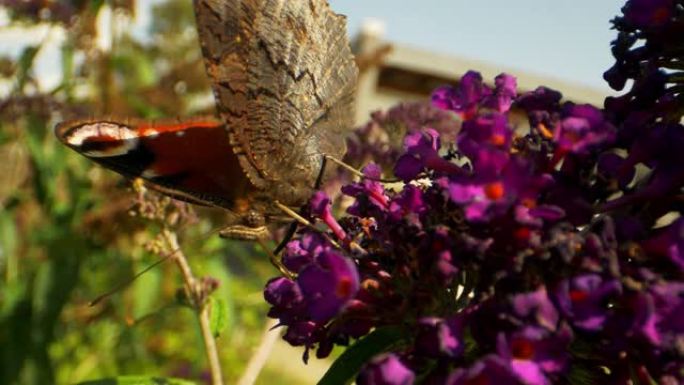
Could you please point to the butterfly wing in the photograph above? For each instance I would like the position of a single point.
(189, 160)
(284, 79)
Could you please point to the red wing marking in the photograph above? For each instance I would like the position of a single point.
(193, 158)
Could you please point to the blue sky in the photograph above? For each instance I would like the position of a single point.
(565, 39)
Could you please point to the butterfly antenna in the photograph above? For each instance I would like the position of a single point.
(359, 173)
(127, 282)
(275, 261)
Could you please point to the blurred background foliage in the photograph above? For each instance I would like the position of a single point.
(66, 232)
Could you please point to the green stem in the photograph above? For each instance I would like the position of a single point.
(199, 303)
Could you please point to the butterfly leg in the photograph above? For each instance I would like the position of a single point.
(291, 229)
(321, 173)
(303, 221)
(275, 260)
(255, 234)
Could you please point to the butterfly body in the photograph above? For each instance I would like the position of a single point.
(284, 80)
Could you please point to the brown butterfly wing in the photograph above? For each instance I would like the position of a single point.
(284, 79)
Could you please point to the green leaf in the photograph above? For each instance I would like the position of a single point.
(139, 69)
(8, 248)
(68, 70)
(25, 63)
(218, 270)
(95, 5)
(583, 374)
(138, 380)
(347, 366)
(218, 316)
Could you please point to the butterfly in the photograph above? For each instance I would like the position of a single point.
(284, 79)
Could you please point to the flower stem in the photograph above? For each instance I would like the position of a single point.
(194, 292)
(210, 345)
(260, 356)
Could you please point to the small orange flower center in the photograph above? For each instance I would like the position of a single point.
(578, 295)
(494, 191)
(660, 16)
(437, 246)
(497, 139)
(344, 287)
(523, 233)
(528, 202)
(522, 349)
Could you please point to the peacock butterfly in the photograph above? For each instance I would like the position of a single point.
(284, 80)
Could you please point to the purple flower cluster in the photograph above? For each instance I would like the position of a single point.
(546, 254)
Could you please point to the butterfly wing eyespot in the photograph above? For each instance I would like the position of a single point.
(98, 139)
(73, 133)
